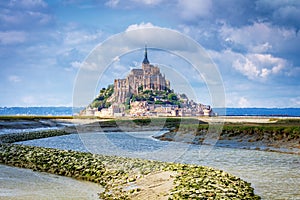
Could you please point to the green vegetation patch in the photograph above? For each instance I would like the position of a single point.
(276, 132)
(270, 131)
(102, 100)
(197, 182)
(31, 135)
(290, 121)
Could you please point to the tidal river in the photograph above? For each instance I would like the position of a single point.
(273, 175)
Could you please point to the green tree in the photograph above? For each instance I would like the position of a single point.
(172, 97)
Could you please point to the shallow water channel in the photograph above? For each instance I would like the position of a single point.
(273, 175)
(25, 184)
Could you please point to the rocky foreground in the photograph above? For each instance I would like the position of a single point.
(128, 178)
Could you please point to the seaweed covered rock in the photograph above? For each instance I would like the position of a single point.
(117, 174)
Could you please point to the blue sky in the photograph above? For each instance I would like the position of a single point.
(254, 43)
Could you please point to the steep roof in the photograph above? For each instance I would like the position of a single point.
(146, 61)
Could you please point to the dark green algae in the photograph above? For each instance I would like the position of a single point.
(115, 173)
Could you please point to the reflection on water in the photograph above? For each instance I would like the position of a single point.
(273, 175)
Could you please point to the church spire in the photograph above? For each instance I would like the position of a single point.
(146, 61)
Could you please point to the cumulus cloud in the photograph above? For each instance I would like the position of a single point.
(140, 26)
(12, 37)
(259, 66)
(260, 38)
(247, 68)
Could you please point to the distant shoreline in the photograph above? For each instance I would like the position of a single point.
(71, 111)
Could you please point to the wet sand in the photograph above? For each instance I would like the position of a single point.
(18, 183)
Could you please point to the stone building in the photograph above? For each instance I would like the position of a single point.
(147, 78)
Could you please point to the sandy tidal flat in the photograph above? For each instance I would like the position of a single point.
(17, 183)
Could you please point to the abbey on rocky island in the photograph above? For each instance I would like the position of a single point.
(144, 92)
(147, 78)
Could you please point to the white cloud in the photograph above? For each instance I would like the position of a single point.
(247, 68)
(140, 26)
(259, 66)
(192, 9)
(258, 37)
(12, 37)
(253, 66)
(14, 78)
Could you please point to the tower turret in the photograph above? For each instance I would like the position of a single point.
(146, 61)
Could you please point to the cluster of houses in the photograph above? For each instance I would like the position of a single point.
(143, 108)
